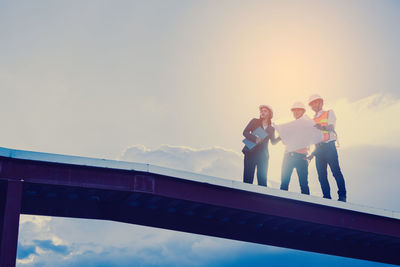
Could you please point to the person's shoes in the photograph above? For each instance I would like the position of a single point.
(342, 198)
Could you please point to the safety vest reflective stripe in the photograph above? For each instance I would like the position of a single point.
(323, 120)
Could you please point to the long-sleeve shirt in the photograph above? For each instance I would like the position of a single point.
(262, 147)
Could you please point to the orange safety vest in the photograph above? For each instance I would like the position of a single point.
(323, 120)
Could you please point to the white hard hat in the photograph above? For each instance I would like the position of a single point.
(314, 97)
(266, 106)
(298, 105)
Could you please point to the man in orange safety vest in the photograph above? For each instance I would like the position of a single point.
(325, 152)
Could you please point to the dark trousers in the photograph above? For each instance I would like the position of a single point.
(251, 161)
(291, 161)
(326, 154)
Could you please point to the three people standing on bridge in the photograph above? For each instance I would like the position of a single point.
(325, 152)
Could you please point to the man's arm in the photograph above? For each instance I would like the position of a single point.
(312, 155)
(331, 123)
(331, 118)
(328, 128)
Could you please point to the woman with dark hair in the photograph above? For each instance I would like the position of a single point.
(258, 156)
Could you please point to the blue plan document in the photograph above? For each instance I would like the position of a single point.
(260, 133)
(249, 143)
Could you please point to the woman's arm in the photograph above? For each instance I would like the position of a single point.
(271, 134)
(249, 128)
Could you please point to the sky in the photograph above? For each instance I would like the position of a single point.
(174, 83)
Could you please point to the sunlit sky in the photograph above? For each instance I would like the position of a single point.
(129, 79)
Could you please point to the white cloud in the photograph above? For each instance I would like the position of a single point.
(39, 222)
(28, 260)
(120, 243)
(369, 121)
(214, 161)
(34, 226)
(372, 176)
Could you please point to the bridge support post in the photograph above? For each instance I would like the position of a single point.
(10, 209)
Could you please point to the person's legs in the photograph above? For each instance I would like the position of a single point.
(302, 172)
(333, 161)
(287, 169)
(249, 168)
(262, 170)
(322, 166)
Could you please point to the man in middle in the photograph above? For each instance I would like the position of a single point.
(296, 159)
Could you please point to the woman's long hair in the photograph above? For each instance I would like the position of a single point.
(269, 117)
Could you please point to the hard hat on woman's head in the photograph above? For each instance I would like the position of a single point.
(271, 112)
(266, 106)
